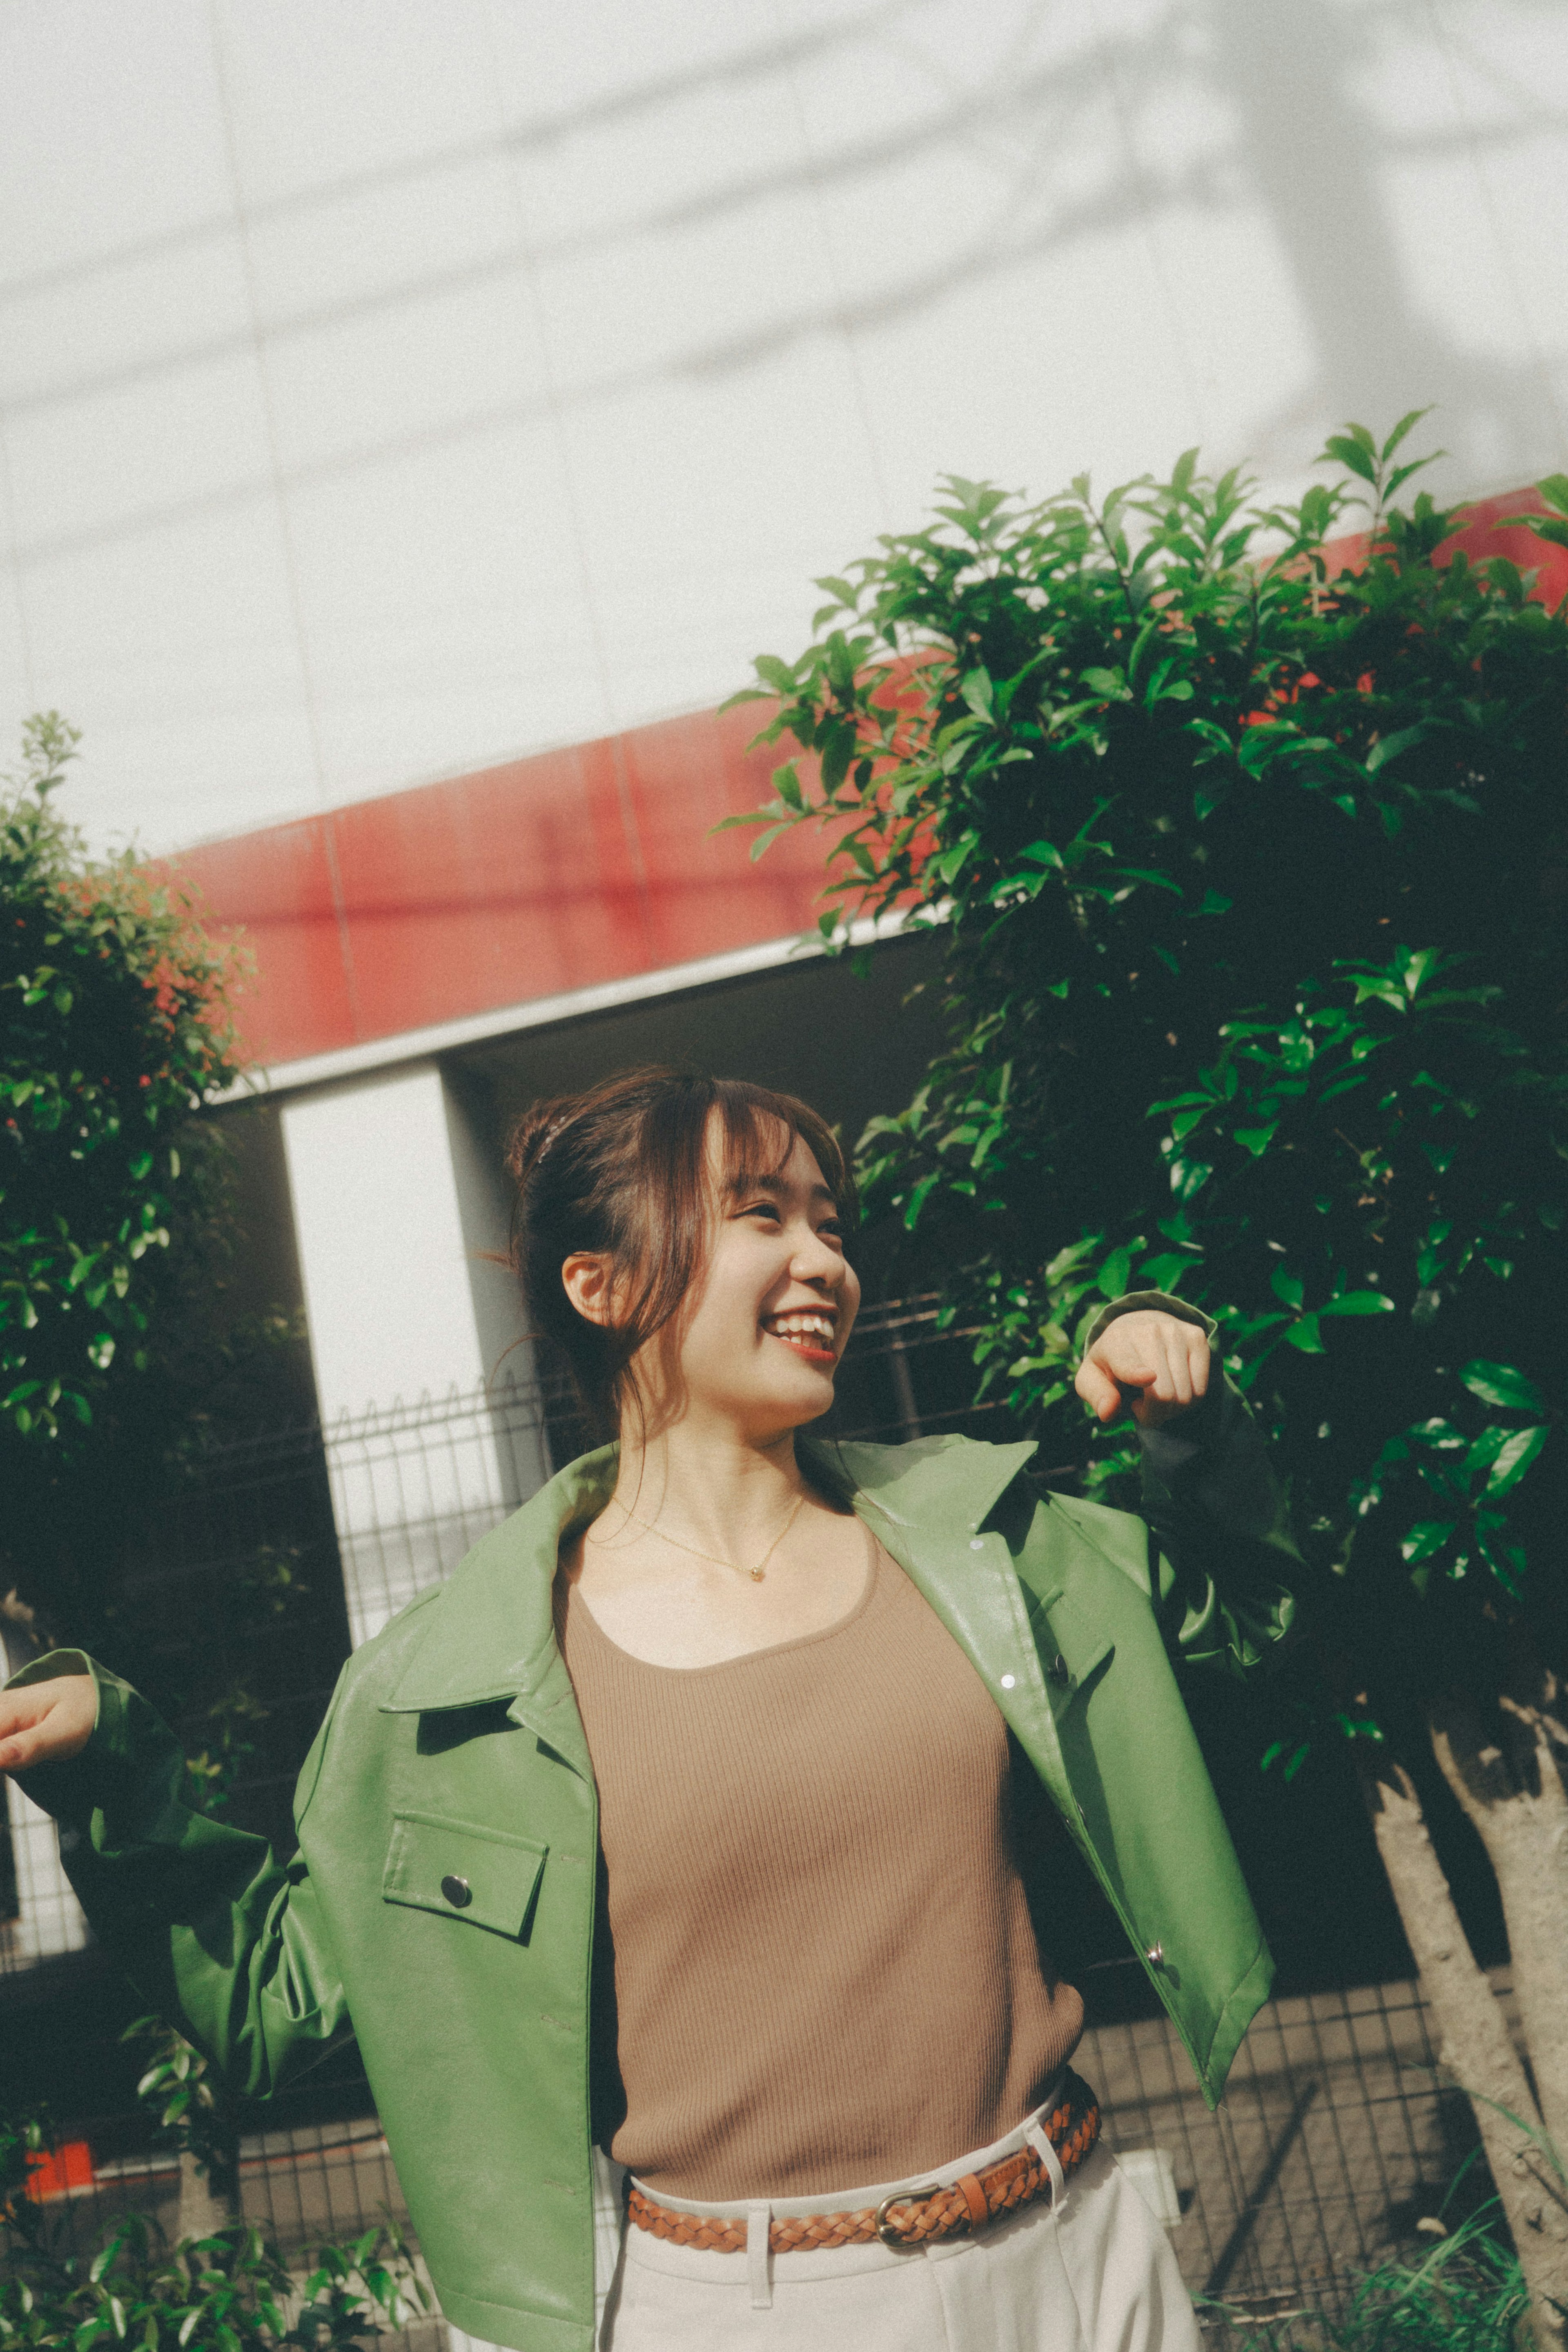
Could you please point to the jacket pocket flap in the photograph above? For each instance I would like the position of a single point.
(485, 1877)
(1073, 1647)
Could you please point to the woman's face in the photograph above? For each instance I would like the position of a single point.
(776, 1303)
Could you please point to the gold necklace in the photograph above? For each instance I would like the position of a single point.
(681, 1544)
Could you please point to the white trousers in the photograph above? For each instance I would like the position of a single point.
(1092, 2272)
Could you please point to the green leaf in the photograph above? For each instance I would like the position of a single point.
(1358, 1302)
(918, 1198)
(841, 661)
(1112, 1279)
(1501, 1384)
(1389, 747)
(1288, 1288)
(1514, 1459)
(1188, 1177)
(1426, 1538)
(837, 752)
(1306, 1336)
(1166, 1272)
(1354, 454)
(1256, 1140)
(1062, 1263)
(1412, 417)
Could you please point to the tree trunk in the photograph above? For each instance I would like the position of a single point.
(1514, 1796)
(1474, 2044)
(205, 2206)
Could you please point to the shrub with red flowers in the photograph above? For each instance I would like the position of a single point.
(1250, 871)
(114, 1027)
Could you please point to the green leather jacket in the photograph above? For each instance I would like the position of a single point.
(453, 1750)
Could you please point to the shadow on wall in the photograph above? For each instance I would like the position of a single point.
(1302, 117)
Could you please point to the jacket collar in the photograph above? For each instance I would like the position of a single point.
(490, 1630)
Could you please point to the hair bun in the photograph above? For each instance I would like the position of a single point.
(532, 1136)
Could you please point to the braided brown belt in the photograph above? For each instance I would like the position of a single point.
(914, 2219)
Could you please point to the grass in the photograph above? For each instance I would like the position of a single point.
(1467, 2296)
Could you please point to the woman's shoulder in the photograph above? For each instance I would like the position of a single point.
(382, 1655)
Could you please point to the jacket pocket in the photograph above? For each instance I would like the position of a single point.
(485, 1876)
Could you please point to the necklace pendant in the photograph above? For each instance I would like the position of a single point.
(757, 1576)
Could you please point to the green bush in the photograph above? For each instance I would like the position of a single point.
(230, 2292)
(114, 1027)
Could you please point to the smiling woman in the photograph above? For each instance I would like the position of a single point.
(623, 1183)
(695, 1799)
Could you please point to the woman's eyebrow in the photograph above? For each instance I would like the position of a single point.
(741, 1181)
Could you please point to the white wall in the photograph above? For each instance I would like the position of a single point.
(387, 386)
(396, 1201)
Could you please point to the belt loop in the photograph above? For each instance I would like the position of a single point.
(1038, 2139)
(758, 2225)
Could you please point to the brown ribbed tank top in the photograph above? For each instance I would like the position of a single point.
(825, 1971)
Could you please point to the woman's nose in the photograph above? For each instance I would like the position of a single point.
(816, 1260)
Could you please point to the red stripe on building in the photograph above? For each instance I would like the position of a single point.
(553, 874)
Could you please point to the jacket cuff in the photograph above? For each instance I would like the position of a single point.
(67, 1789)
(1150, 1302)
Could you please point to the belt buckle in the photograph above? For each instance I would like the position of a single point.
(884, 2229)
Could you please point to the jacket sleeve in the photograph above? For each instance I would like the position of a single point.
(1224, 1559)
(223, 1940)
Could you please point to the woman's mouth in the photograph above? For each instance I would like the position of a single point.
(807, 1331)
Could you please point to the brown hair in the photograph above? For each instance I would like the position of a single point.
(623, 1168)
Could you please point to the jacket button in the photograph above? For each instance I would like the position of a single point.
(458, 1893)
(1057, 1669)
(1155, 1956)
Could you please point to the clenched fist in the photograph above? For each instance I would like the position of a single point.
(46, 1722)
(1165, 1359)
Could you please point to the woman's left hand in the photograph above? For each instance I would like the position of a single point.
(1163, 1358)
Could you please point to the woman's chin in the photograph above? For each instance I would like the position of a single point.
(790, 1402)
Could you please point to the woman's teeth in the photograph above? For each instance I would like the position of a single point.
(812, 1334)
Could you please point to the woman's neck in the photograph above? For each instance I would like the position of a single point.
(719, 1489)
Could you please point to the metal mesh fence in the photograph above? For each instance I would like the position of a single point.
(1337, 2136)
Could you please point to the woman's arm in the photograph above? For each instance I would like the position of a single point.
(222, 1938)
(1224, 1557)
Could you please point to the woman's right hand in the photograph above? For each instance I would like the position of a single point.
(46, 1722)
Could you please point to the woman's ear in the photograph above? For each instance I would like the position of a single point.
(587, 1278)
